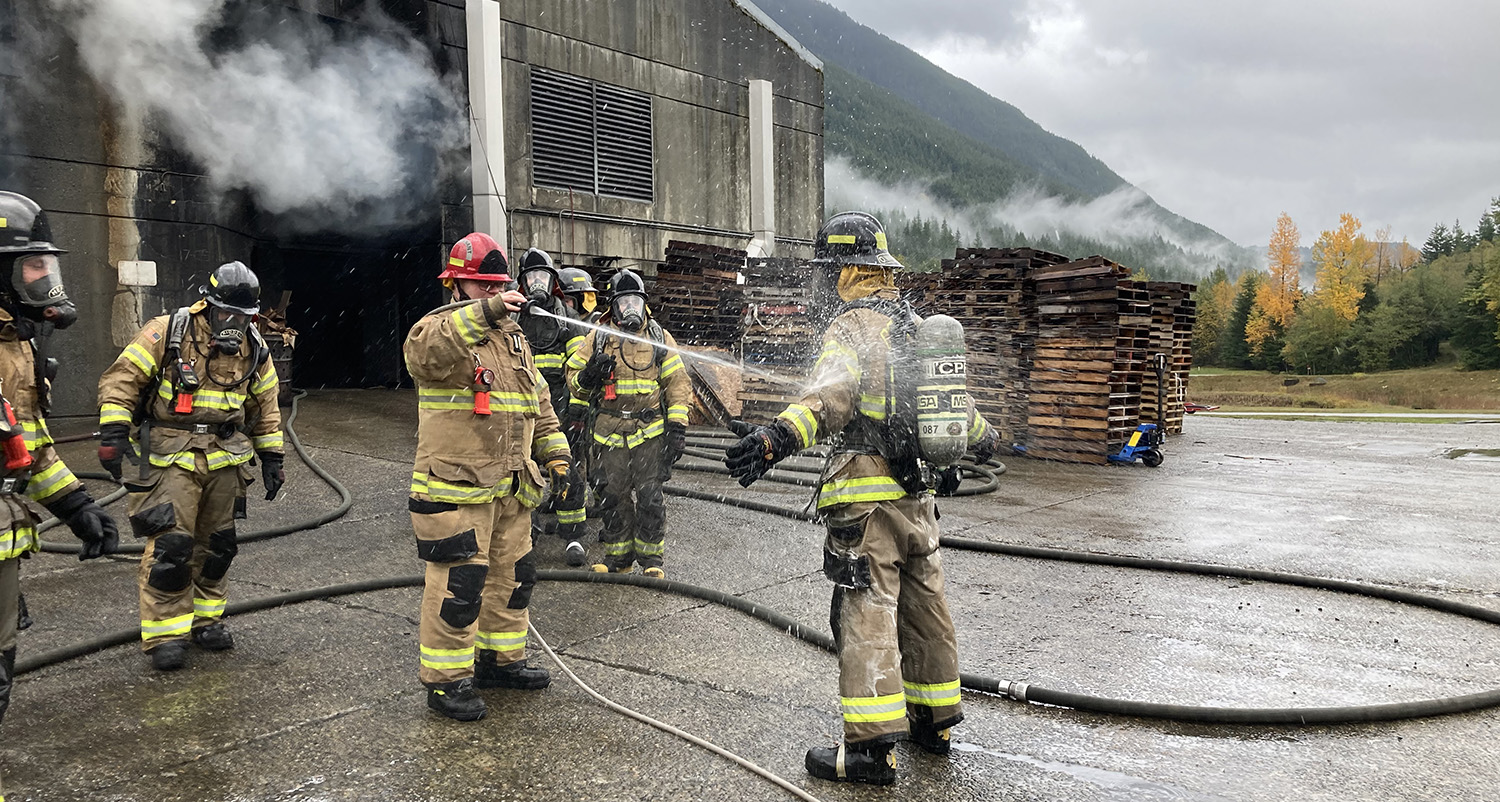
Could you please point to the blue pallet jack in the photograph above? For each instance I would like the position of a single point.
(1146, 441)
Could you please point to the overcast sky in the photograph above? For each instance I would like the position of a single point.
(1231, 111)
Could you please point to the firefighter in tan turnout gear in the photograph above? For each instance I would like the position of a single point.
(200, 385)
(484, 424)
(634, 380)
(898, 661)
(32, 301)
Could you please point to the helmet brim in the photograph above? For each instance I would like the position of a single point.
(243, 310)
(456, 275)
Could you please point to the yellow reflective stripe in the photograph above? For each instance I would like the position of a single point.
(548, 361)
(35, 433)
(841, 239)
(469, 321)
(261, 442)
(265, 383)
(650, 549)
(670, 365)
(940, 694)
(15, 542)
(872, 406)
(209, 608)
(978, 430)
(1135, 439)
(141, 358)
(677, 413)
(438, 490)
(573, 345)
(113, 413)
(577, 516)
(441, 659)
(502, 401)
(636, 386)
(868, 488)
(874, 708)
(618, 549)
(177, 625)
(45, 484)
(454, 261)
(528, 495)
(554, 443)
(576, 360)
(802, 419)
(835, 351)
(206, 399)
(500, 641)
(634, 439)
(610, 440)
(223, 459)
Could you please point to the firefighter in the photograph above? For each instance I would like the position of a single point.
(552, 341)
(633, 378)
(32, 302)
(484, 423)
(200, 385)
(582, 297)
(898, 662)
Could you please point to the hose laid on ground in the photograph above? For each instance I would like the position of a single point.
(346, 500)
(1019, 691)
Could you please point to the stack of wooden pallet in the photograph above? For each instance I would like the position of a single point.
(1173, 313)
(990, 292)
(781, 336)
(696, 294)
(1085, 388)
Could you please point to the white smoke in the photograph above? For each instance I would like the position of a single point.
(1123, 217)
(331, 130)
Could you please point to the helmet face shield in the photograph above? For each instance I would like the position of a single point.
(629, 311)
(37, 280)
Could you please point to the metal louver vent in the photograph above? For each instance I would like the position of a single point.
(590, 137)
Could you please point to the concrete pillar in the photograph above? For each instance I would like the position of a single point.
(762, 170)
(487, 119)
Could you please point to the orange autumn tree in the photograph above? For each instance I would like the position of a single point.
(1276, 298)
(1343, 259)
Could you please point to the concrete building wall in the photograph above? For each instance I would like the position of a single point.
(696, 60)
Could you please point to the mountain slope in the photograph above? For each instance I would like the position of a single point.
(897, 115)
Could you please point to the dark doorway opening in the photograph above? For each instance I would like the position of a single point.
(352, 304)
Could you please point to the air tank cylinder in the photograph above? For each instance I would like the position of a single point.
(942, 391)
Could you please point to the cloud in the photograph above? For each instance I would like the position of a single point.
(1122, 217)
(1230, 112)
(327, 131)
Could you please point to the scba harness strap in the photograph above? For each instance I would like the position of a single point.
(895, 438)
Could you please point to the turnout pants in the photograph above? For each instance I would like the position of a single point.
(631, 504)
(480, 574)
(898, 658)
(10, 596)
(187, 518)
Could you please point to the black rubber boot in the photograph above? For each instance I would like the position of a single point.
(932, 740)
(518, 675)
(865, 762)
(574, 553)
(7, 675)
(215, 637)
(169, 656)
(456, 700)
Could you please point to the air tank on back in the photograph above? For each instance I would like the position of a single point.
(942, 391)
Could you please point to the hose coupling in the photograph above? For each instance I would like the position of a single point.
(1016, 690)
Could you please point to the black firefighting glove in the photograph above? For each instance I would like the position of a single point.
(596, 372)
(574, 421)
(758, 449)
(114, 444)
(948, 480)
(271, 473)
(89, 522)
(676, 442)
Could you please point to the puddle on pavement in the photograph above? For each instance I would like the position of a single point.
(1115, 784)
(1482, 454)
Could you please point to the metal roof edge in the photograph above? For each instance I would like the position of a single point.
(769, 24)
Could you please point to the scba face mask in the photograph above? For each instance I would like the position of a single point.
(37, 282)
(229, 330)
(538, 285)
(630, 312)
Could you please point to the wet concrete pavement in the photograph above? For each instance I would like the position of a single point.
(320, 701)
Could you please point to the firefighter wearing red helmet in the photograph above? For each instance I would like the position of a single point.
(200, 386)
(485, 433)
